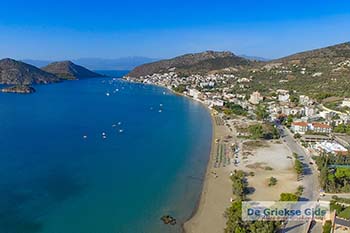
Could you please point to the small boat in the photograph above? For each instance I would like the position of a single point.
(160, 110)
(114, 125)
(121, 131)
(107, 94)
(119, 123)
(161, 105)
(104, 137)
(103, 134)
(85, 136)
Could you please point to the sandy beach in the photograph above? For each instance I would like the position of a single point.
(216, 194)
(217, 189)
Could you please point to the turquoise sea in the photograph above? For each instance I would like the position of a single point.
(54, 180)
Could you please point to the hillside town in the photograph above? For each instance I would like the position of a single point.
(318, 130)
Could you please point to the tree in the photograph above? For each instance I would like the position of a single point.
(300, 190)
(234, 221)
(327, 227)
(237, 109)
(238, 184)
(270, 131)
(341, 128)
(180, 88)
(342, 173)
(323, 177)
(294, 99)
(288, 197)
(289, 121)
(345, 213)
(298, 166)
(261, 112)
(272, 181)
(256, 131)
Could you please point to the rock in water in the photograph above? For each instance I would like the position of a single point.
(167, 219)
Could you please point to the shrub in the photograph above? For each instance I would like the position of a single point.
(288, 197)
(272, 181)
(327, 227)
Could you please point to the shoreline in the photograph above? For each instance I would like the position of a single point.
(199, 204)
(208, 194)
(189, 226)
(203, 195)
(216, 194)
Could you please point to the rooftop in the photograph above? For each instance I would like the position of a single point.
(320, 125)
(300, 123)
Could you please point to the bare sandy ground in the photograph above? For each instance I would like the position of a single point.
(217, 189)
(279, 158)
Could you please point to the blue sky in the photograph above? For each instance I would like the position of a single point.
(109, 29)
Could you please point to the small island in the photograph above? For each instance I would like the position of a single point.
(21, 89)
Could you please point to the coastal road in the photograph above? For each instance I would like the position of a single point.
(310, 174)
(309, 179)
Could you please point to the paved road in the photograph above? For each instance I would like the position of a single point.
(310, 176)
(309, 180)
(328, 196)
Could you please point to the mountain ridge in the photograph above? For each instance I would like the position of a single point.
(322, 71)
(94, 63)
(200, 62)
(69, 70)
(16, 72)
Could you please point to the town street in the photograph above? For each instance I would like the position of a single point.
(309, 179)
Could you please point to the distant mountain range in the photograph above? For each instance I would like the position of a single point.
(255, 58)
(123, 63)
(324, 70)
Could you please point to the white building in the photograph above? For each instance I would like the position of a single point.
(309, 111)
(283, 97)
(194, 93)
(320, 128)
(299, 127)
(255, 98)
(302, 127)
(218, 103)
(214, 102)
(346, 102)
(304, 99)
(330, 147)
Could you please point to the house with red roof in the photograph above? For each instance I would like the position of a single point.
(299, 127)
(320, 127)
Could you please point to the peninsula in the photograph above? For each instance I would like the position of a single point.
(14, 72)
(20, 76)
